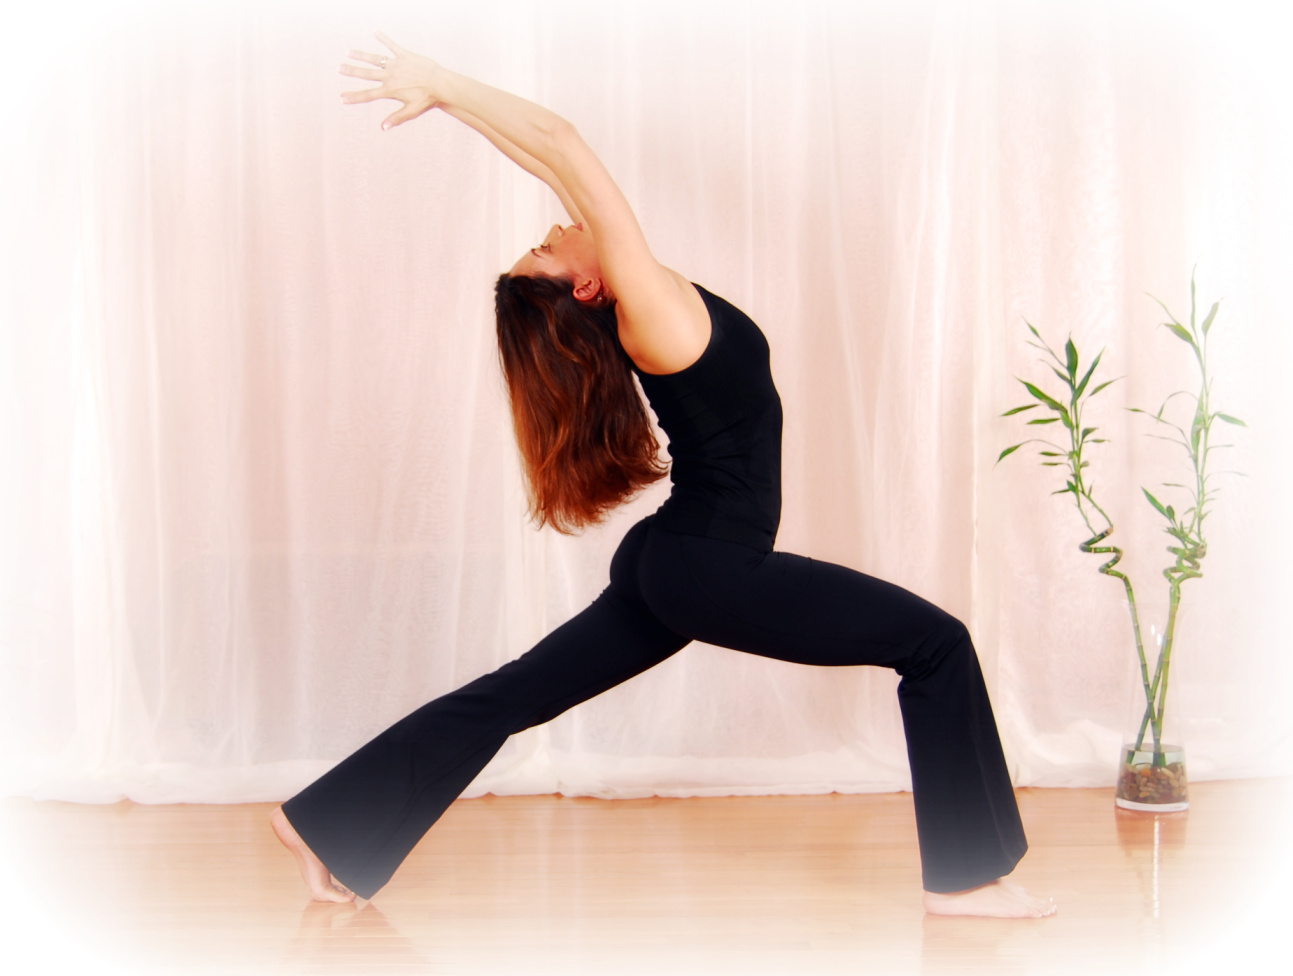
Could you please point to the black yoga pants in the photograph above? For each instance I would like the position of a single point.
(364, 816)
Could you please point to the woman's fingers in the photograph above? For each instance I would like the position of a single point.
(401, 115)
(367, 95)
(368, 74)
(389, 43)
(401, 75)
(377, 59)
(409, 110)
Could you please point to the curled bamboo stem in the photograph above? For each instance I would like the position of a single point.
(1186, 529)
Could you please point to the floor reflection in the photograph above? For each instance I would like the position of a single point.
(987, 945)
(543, 886)
(336, 939)
(1150, 842)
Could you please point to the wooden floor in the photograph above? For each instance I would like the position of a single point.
(544, 885)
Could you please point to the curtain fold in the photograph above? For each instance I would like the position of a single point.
(260, 495)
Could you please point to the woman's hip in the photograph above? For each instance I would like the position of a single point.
(778, 604)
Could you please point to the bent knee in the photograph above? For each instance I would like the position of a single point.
(955, 634)
(947, 638)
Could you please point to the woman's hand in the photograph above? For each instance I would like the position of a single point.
(402, 75)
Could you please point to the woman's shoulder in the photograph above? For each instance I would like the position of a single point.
(669, 331)
(728, 320)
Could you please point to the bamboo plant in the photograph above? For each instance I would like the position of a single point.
(1186, 528)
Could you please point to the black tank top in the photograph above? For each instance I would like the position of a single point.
(722, 415)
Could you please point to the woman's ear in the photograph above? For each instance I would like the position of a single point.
(587, 289)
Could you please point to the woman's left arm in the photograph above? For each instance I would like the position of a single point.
(663, 320)
(519, 156)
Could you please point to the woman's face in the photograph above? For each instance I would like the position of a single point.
(567, 252)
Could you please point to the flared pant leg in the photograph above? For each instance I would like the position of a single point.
(807, 611)
(364, 816)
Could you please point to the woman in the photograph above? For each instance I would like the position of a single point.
(576, 316)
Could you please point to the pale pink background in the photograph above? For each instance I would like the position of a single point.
(259, 493)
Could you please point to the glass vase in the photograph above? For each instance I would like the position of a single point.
(1151, 771)
(1152, 780)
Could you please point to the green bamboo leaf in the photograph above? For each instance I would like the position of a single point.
(1229, 419)
(1052, 454)
(1099, 440)
(1171, 513)
(1101, 387)
(1087, 378)
(1043, 420)
(1207, 323)
(1008, 451)
(1068, 421)
(1011, 413)
(1156, 503)
(1066, 380)
(1050, 401)
(1052, 464)
(1033, 330)
(1071, 354)
(1180, 331)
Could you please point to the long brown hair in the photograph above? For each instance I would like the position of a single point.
(585, 439)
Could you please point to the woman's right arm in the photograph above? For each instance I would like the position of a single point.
(663, 320)
(519, 156)
(527, 133)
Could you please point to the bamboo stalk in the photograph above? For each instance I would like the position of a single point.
(1186, 529)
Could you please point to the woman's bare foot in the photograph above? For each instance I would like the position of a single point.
(996, 899)
(313, 871)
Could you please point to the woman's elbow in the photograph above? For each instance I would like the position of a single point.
(565, 138)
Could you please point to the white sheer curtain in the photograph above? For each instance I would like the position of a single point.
(259, 493)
